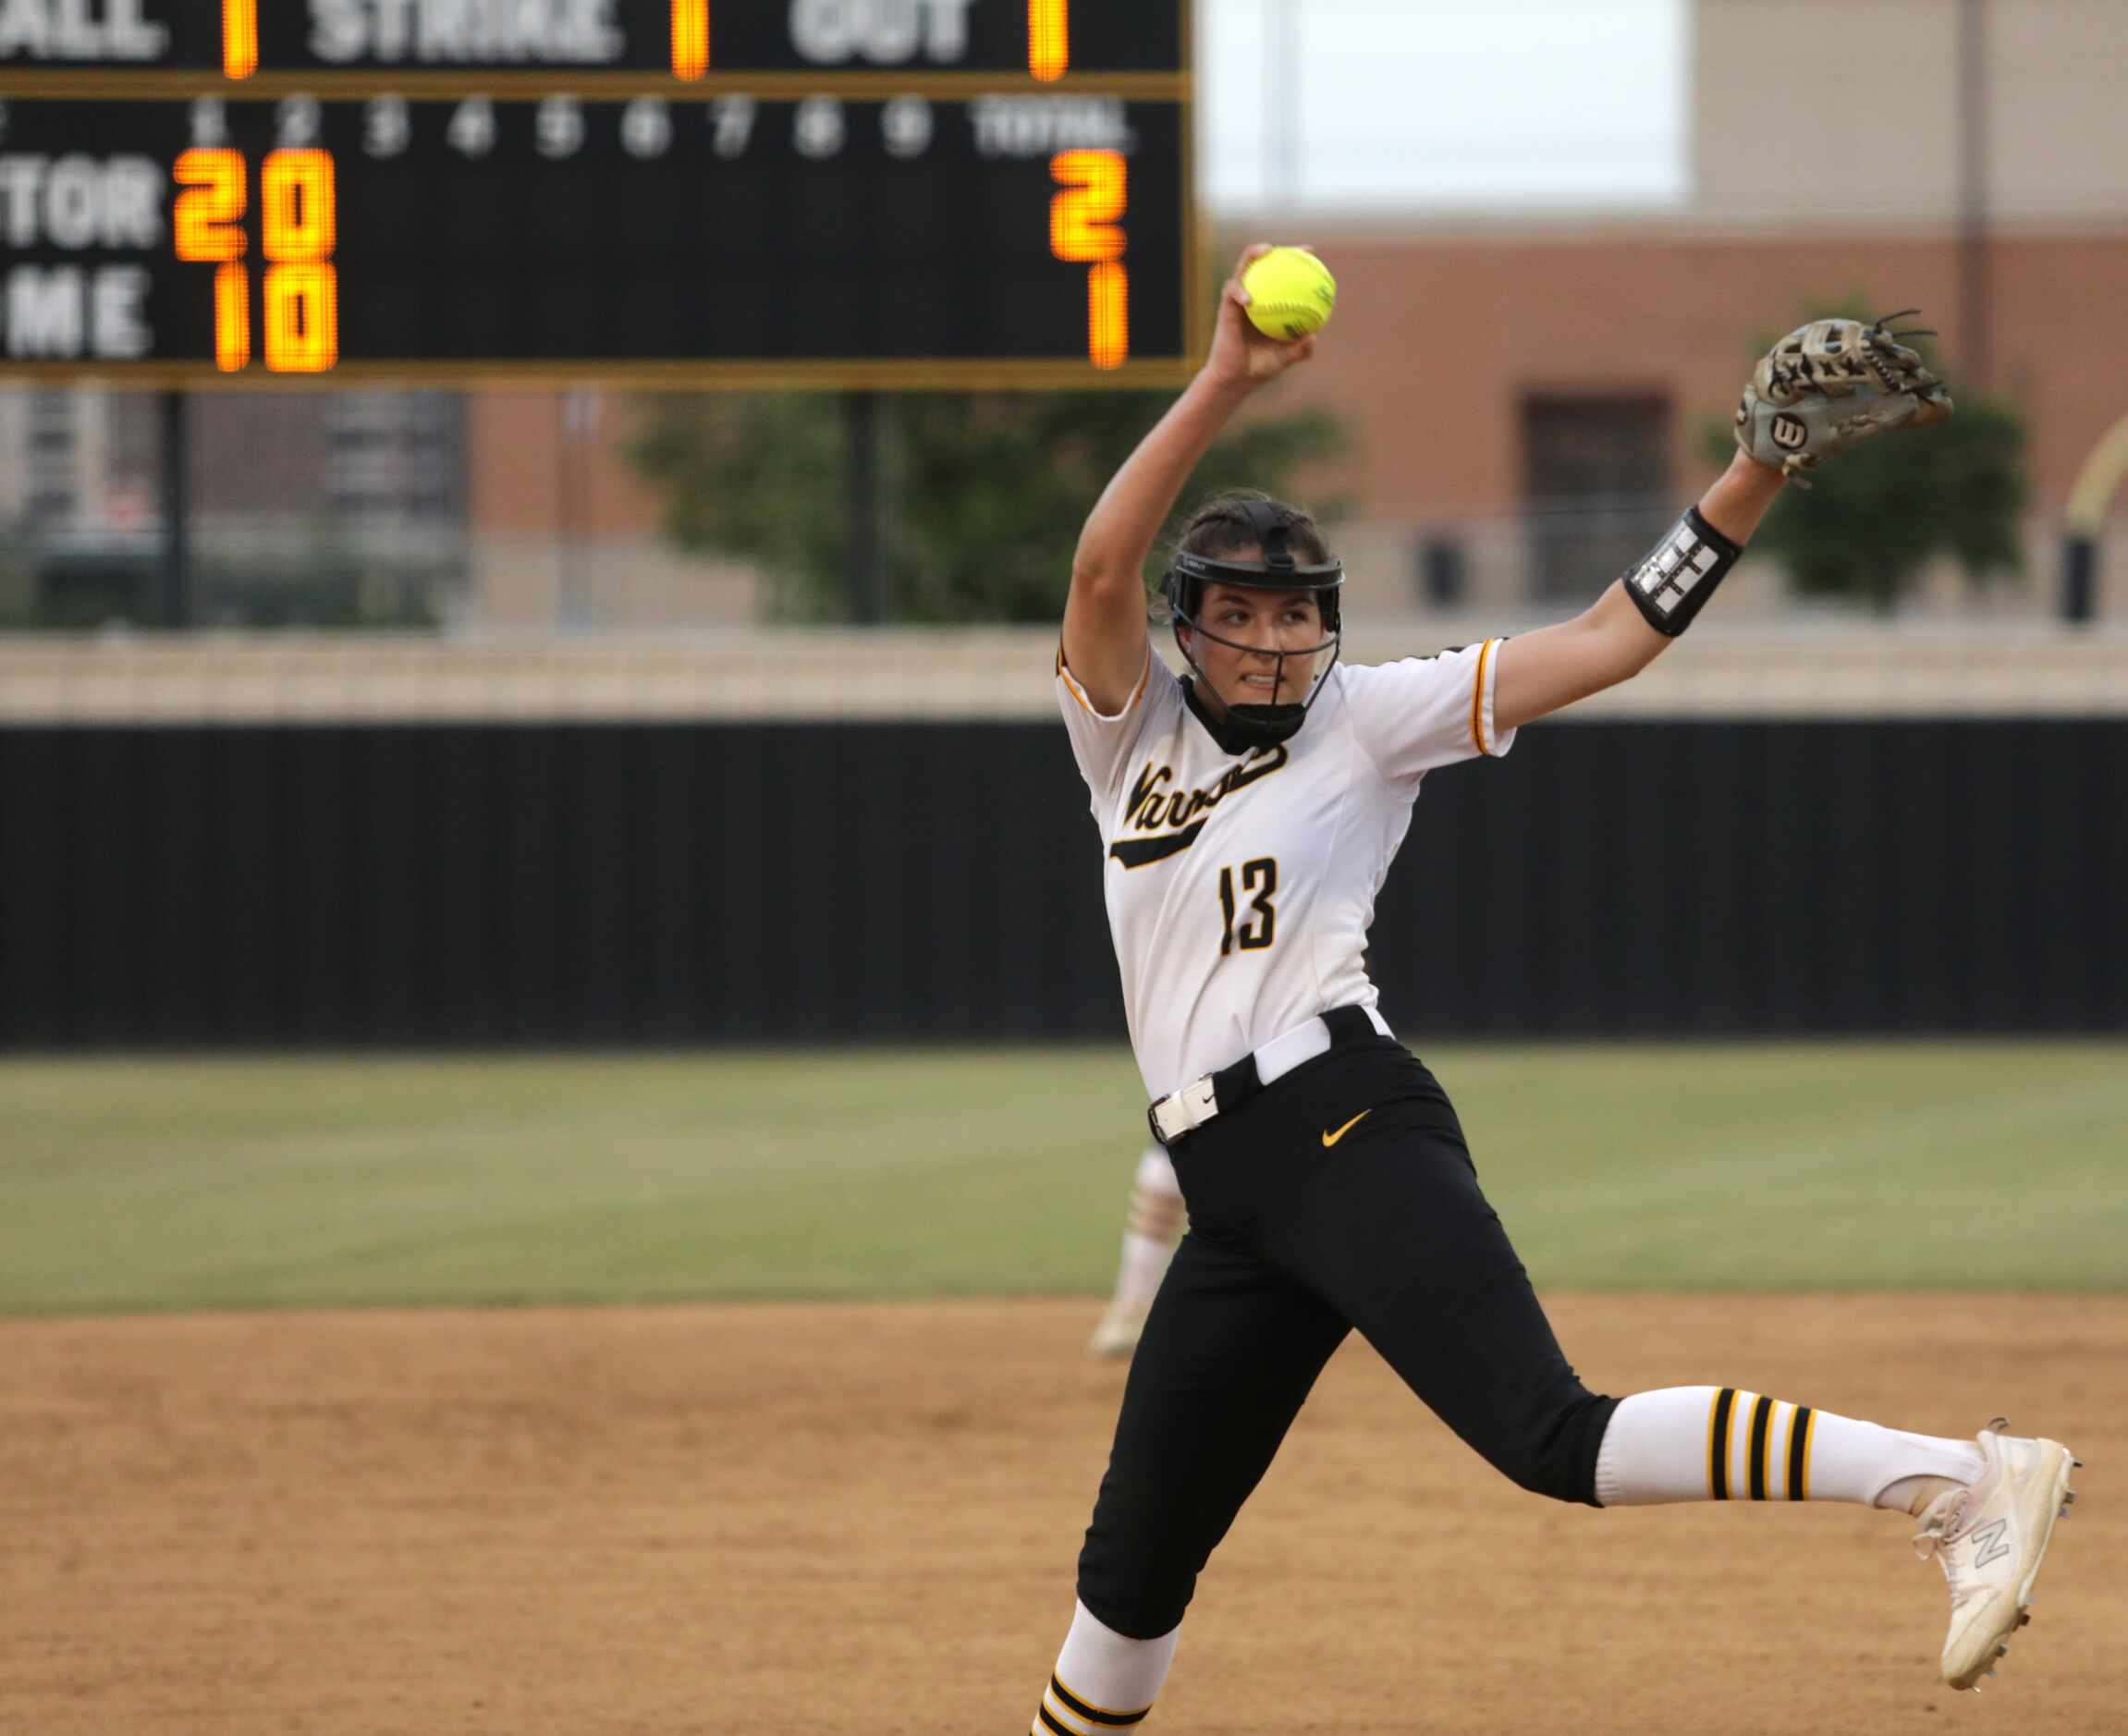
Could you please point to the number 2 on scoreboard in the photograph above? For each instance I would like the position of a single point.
(1085, 227)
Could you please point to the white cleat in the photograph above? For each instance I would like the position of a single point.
(1117, 1336)
(1989, 1538)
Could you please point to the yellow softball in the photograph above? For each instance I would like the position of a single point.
(1291, 293)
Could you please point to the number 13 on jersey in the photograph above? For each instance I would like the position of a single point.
(1259, 924)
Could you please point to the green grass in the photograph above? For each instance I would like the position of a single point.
(187, 1183)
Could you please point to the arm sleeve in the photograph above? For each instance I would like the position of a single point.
(1426, 712)
(1101, 744)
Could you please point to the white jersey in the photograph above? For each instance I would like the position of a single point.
(1241, 886)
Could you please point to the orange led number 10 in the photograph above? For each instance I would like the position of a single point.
(298, 222)
(1085, 229)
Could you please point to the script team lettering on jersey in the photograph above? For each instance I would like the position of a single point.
(1154, 806)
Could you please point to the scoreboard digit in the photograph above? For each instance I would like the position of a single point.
(239, 38)
(689, 39)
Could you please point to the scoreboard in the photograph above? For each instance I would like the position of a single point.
(849, 193)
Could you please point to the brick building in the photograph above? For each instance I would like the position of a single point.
(1531, 396)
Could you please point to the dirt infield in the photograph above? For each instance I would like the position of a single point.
(851, 1519)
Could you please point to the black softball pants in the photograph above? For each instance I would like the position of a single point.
(1292, 1243)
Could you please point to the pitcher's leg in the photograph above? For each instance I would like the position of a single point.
(1986, 1508)
(1398, 1238)
(1229, 1352)
(1726, 1444)
(1458, 1320)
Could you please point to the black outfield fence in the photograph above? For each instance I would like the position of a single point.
(776, 883)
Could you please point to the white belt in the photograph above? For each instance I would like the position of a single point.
(1185, 1110)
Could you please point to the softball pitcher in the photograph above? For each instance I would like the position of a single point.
(1247, 817)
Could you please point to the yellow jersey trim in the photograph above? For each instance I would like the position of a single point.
(1071, 681)
(1478, 699)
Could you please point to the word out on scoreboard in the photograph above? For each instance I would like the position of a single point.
(811, 191)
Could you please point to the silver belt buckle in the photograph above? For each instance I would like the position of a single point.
(1184, 1111)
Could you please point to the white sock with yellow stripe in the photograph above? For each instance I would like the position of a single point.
(1104, 1682)
(1724, 1444)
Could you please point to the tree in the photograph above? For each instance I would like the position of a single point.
(987, 492)
(1877, 514)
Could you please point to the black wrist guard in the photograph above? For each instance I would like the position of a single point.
(1674, 582)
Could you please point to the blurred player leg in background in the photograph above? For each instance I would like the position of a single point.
(1150, 1233)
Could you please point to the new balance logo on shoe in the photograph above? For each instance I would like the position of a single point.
(1988, 1544)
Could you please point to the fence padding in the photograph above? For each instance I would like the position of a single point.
(791, 883)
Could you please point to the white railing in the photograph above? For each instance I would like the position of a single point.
(1768, 670)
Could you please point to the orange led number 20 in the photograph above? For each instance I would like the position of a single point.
(298, 222)
(1085, 229)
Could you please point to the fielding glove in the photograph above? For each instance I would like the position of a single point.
(1830, 384)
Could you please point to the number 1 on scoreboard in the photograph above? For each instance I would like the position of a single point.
(1048, 39)
(689, 39)
(239, 38)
